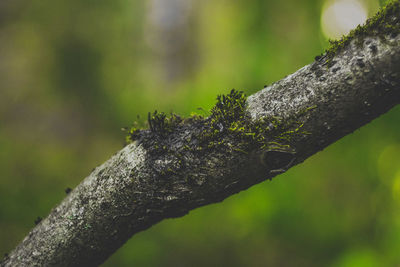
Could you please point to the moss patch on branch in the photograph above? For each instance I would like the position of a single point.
(228, 117)
(229, 129)
(385, 22)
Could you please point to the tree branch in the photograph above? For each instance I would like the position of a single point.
(178, 165)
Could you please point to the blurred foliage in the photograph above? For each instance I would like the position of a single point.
(72, 73)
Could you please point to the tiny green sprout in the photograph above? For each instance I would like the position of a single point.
(206, 112)
(156, 121)
(132, 134)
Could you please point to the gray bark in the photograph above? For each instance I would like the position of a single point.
(137, 187)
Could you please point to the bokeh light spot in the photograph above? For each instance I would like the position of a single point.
(340, 16)
(388, 163)
(396, 187)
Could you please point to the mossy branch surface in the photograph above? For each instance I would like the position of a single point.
(178, 164)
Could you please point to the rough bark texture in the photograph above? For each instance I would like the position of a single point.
(140, 186)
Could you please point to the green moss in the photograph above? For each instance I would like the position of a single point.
(161, 124)
(228, 127)
(385, 22)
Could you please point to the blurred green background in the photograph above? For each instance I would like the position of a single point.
(72, 73)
